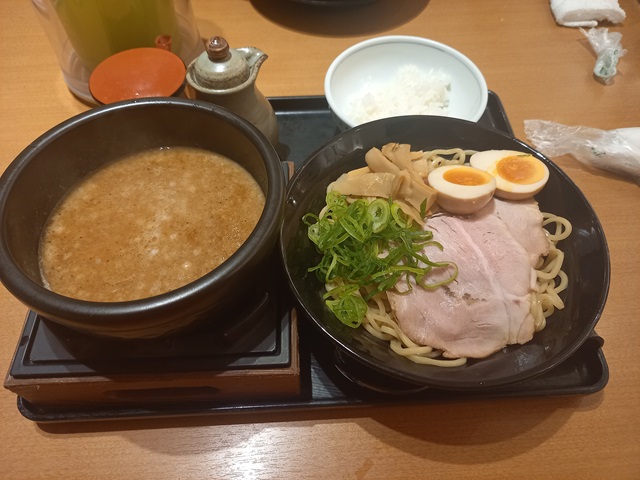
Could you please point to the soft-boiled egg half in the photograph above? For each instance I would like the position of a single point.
(462, 190)
(518, 175)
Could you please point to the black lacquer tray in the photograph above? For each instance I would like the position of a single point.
(325, 379)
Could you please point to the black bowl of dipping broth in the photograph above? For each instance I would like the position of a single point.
(586, 261)
(46, 170)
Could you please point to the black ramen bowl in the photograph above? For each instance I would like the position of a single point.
(44, 172)
(586, 262)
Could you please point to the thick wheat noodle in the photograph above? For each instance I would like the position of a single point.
(551, 280)
(450, 156)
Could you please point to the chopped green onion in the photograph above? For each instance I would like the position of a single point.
(349, 309)
(368, 244)
(423, 208)
(398, 215)
(379, 210)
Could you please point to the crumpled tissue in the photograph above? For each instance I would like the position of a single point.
(617, 151)
(586, 13)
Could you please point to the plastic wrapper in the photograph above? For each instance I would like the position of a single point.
(608, 48)
(617, 151)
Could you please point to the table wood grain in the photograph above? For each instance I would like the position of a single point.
(540, 71)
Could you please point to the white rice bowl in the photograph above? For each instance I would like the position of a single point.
(403, 75)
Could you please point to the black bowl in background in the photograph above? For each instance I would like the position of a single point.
(38, 178)
(586, 262)
(334, 3)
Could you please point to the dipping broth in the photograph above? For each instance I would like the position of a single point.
(148, 224)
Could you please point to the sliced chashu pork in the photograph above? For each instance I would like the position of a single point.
(524, 220)
(488, 305)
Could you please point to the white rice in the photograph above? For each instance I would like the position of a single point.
(411, 91)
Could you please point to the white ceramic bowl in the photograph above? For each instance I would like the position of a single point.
(376, 62)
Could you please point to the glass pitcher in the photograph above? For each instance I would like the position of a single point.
(85, 32)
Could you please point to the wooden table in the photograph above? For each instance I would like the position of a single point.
(540, 71)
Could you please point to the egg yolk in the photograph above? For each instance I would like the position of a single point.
(522, 170)
(466, 176)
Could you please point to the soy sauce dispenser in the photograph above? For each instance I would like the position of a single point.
(227, 77)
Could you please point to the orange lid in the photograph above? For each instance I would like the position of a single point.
(137, 73)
